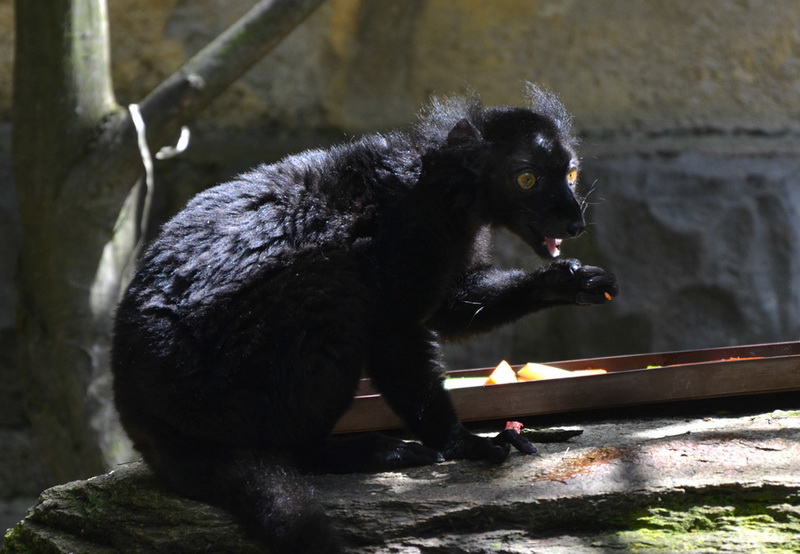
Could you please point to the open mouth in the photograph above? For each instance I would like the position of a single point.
(553, 246)
(546, 247)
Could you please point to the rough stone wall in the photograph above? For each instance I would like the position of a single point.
(689, 112)
(620, 67)
(704, 241)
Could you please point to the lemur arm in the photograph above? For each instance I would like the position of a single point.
(486, 297)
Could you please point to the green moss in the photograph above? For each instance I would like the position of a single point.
(781, 414)
(716, 524)
(20, 539)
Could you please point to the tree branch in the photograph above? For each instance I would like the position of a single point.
(178, 100)
(184, 94)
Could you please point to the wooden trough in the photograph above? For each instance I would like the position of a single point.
(631, 380)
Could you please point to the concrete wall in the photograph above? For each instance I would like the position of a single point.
(689, 112)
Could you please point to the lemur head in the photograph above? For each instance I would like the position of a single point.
(526, 166)
(533, 178)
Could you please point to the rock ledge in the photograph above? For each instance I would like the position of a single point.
(658, 484)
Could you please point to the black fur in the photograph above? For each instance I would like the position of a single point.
(251, 318)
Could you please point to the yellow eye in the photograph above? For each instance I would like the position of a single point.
(572, 176)
(526, 181)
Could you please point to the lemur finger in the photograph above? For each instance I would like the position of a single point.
(607, 282)
(596, 281)
(590, 271)
(587, 299)
(510, 437)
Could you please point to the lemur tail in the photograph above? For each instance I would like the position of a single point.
(269, 497)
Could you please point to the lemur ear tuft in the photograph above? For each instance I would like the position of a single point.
(463, 132)
(546, 103)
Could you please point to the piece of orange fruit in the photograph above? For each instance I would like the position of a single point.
(533, 371)
(502, 374)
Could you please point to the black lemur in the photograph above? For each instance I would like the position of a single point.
(244, 332)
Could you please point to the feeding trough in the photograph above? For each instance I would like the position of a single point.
(629, 380)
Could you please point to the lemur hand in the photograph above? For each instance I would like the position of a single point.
(568, 281)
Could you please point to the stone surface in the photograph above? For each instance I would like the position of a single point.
(11, 412)
(124, 511)
(22, 473)
(696, 482)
